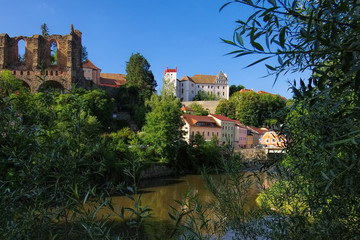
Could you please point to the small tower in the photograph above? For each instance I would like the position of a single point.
(170, 76)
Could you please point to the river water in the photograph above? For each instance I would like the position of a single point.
(159, 195)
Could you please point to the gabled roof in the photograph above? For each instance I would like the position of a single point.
(206, 79)
(185, 78)
(112, 79)
(239, 124)
(193, 119)
(88, 64)
(260, 131)
(222, 118)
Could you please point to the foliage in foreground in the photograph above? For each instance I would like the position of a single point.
(321, 172)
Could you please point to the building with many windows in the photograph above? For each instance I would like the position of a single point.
(204, 125)
(188, 87)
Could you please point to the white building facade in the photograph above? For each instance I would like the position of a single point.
(188, 87)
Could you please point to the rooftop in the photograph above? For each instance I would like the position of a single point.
(222, 118)
(193, 119)
(88, 64)
(112, 79)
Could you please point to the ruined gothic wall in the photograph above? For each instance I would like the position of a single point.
(68, 69)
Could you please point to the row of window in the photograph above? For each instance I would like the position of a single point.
(227, 128)
(203, 133)
(273, 140)
(227, 135)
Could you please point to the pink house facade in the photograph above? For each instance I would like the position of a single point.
(241, 133)
(204, 125)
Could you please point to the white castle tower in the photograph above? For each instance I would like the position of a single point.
(170, 76)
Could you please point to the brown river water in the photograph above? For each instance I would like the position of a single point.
(159, 195)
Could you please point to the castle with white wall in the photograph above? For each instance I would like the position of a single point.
(188, 87)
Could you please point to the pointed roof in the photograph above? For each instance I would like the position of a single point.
(222, 118)
(88, 64)
(260, 131)
(193, 119)
(185, 78)
(239, 124)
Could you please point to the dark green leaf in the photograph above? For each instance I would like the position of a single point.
(257, 46)
(258, 61)
(228, 42)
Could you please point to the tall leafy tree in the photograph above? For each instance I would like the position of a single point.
(226, 108)
(138, 74)
(163, 125)
(233, 89)
(322, 164)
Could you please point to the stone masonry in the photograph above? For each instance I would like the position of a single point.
(64, 73)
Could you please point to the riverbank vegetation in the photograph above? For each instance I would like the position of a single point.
(60, 161)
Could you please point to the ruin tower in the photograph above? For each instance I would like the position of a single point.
(53, 60)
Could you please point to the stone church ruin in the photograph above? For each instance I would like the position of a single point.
(48, 61)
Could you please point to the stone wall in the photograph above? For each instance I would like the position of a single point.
(207, 105)
(65, 72)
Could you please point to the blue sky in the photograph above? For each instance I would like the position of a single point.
(169, 33)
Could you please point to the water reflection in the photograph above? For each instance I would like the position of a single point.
(159, 195)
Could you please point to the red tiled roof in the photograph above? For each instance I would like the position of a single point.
(170, 70)
(186, 78)
(206, 79)
(88, 64)
(260, 131)
(239, 123)
(193, 119)
(245, 90)
(222, 118)
(112, 79)
(263, 92)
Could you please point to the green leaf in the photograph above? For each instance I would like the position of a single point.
(228, 42)
(270, 67)
(239, 39)
(249, 2)
(273, 2)
(294, 5)
(258, 61)
(325, 176)
(282, 37)
(257, 46)
(223, 6)
(243, 54)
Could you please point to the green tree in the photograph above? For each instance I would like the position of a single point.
(233, 89)
(198, 109)
(138, 74)
(205, 96)
(163, 125)
(44, 30)
(247, 108)
(226, 108)
(323, 124)
(84, 53)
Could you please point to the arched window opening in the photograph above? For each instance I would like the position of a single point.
(21, 51)
(53, 53)
(50, 86)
